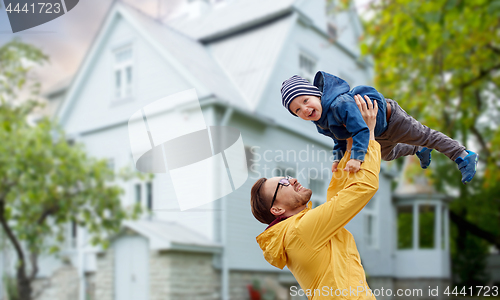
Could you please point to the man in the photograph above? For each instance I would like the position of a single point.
(313, 243)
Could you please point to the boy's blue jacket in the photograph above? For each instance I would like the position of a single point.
(339, 109)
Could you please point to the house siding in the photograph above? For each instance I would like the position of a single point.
(94, 105)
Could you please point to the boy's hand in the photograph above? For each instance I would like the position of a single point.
(334, 166)
(352, 165)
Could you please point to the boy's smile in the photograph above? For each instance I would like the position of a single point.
(307, 107)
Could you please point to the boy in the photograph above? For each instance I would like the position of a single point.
(331, 106)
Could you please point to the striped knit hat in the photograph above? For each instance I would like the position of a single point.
(296, 86)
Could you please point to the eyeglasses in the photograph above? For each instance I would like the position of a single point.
(284, 182)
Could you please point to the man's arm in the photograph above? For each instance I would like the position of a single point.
(320, 224)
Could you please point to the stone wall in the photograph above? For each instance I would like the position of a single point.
(62, 285)
(183, 276)
(159, 276)
(175, 275)
(270, 281)
(105, 275)
(191, 276)
(43, 289)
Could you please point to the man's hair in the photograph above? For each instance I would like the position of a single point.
(260, 205)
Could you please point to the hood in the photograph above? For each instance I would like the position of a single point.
(272, 243)
(331, 86)
(272, 240)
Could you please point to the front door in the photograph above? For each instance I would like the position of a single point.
(131, 268)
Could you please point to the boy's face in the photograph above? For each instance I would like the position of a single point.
(307, 107)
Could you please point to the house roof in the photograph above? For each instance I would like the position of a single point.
(231, 17)
(60, 87)
(164, 235)
(188, 56)
(233, 68)
(245, 37)
(229, 51)
(192, 55)
(250, 56)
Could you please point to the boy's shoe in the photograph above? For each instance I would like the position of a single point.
(467, 166)
(425, 157)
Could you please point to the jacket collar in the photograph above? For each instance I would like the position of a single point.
(276, 221)
(282, 218)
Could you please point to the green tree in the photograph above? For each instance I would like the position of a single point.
(441, 61)
(45, 183)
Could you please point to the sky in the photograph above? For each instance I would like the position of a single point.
(67, 39)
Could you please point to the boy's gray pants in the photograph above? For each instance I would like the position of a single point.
(404, 134)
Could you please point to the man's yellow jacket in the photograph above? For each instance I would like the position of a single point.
(315, 246)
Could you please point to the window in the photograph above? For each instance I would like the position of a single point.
(307, 67)
(332, 32)
(123, 72)
(73, 235)
(111, 164)
(426, 226)
(74, 232)
(138, 193)
(149, 195)
(370, 229)
(422, 226)
(332, 9)
(370, 223)
(444, 218)
(249, 157)
(405, 227)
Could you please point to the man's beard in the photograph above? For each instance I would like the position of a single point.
(301, 200)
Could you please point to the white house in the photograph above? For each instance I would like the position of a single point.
(236, 55)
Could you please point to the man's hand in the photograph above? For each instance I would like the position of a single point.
(368, 112)
(352, 165)
(334, 166)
